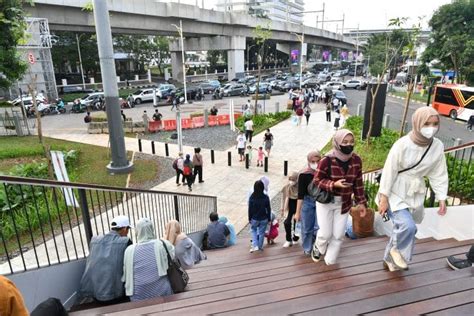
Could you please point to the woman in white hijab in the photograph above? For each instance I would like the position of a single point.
(402, 187)
(145, 265)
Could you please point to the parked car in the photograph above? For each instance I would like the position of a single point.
(234, 89)
(262, 88)
(73, 89)
(165, 90)
(91, 98)
(28, 100)
(310, 83)
(209, 86)
(355, 84)
(324, 76)
(333, 85)
(143, 95)
(190, 92)
(339, 95)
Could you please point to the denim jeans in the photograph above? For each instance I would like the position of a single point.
(309, 223)
(403, 233)
(258, 232)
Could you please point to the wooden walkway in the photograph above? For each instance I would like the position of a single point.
(283, 281)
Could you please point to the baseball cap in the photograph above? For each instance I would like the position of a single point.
(120, 222)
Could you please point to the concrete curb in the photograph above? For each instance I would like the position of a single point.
(402, 98)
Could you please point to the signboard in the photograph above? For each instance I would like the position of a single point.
(294, 56)
(61, 174)
(31, 58)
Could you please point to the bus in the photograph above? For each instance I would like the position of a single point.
(455, 101)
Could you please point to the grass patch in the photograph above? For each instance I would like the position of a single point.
(373, 155)
(263, 121)
(414, 96)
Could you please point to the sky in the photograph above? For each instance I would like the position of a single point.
(368, 14)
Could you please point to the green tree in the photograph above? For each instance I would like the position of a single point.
(261, 35)
(452, 39)
(12, 28)
(64, 52)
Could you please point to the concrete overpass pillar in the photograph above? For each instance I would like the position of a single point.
(177, 66)
(235, 63)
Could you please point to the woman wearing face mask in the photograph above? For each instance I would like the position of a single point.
(288, 206)
(305, 206)
(402, 186)
(344, 180)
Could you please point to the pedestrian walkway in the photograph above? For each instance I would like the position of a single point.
(231, 184)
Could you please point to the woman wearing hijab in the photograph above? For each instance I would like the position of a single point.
(305, 205)
(187, 253)
(145, 265)
(232, 239)
(259, 215)
(188, 171)
(402, 186)
(288, 206)
(345, 179)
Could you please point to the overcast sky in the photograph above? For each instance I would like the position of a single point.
(369, 14)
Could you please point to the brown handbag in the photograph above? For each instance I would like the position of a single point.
(362, 226)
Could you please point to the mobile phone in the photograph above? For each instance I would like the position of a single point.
(385, 217)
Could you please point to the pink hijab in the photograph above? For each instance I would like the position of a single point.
(418, 120)
(336, 143)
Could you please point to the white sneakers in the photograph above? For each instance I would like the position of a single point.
(397, 259)
(252, 249)
(287, 244)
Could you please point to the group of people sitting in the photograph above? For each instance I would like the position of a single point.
(119, 271)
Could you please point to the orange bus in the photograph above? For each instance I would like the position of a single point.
(455, 101)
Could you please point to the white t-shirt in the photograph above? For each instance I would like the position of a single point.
(249, 125)
(241, 141)
(335, 102)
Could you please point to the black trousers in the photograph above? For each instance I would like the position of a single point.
(470, 255)
(248, 135)
(289, 218)
(198, 172)
(328, 116)
(178, 173)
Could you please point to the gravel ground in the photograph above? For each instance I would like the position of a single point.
(275, 204)
(164, 173)
(217, 137)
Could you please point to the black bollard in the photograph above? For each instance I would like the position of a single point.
(140, 145)
(229, 159)
(285, 168)
(247, 162)
(265, 164)
(153, 147)
(212, 156)
(167, 151)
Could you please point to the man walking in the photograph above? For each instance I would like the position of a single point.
(248, 129)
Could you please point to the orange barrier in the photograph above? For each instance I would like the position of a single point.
(169, 125)
(223, 119)
(198, 121)
(186, 123)
(237, 115)
(212, 120)
(154, 126)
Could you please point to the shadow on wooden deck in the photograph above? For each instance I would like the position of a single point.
(282, 281)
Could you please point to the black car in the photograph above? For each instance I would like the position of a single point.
(190, 92)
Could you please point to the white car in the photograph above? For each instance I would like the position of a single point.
(28, 100)
(355, 84)
(91, 98)
(143, 95)
(333, 85)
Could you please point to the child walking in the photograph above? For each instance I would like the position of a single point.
(273, 230)
(260, 155)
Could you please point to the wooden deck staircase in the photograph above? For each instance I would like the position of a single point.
(281, 281)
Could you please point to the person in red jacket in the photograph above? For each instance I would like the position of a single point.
(344, 180)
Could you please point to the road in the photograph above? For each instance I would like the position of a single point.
(449, 129)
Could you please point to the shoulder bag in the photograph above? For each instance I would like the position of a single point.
(320, 195)
(178, 277)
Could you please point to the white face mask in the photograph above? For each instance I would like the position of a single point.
(313, 166)
(428, 132)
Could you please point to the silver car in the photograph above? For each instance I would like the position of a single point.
(143, 95)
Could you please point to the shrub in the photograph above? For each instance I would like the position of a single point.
(262, 96)
(196, 114)
(99, 117)
(263, 121)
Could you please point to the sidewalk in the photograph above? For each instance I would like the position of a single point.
(231, 184)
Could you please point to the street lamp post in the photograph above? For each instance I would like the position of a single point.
(80, 63)
(178, 107)
(248, 60)
(301, 39)
(357, 51)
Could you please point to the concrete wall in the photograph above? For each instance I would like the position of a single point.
(60, 281)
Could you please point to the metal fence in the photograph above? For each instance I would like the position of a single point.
(13, 123)
(47, 222)
(460, 164)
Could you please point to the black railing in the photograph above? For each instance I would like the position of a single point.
(44, 222)
(460, 162)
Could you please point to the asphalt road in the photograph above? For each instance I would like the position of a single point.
(449, 130)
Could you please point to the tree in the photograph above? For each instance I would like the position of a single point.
(143, 49)
(452, 39)
(12, 28)
(261, 35)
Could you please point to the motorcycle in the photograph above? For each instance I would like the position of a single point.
(199, 95)
(217, 94)
(42, 108)
(57, 108)
(78, 107)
